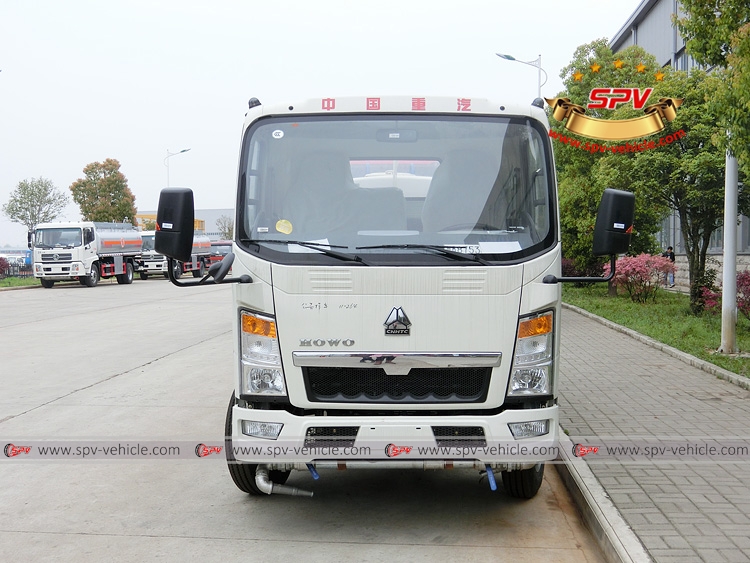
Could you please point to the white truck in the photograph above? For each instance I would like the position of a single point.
(84, 251)
(396, 295)
(155, 263)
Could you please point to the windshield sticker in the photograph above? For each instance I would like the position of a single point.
(499, 247)
(278, 134)
(468, 249)
(284, 226)
(324, 245)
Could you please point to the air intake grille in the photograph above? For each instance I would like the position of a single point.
(372, 385)
(331, 436)
(455, 436)
(57, 257)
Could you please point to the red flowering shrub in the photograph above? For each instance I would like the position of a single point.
(712, 297)
(4, 266)
(641, 275)
(743, 293)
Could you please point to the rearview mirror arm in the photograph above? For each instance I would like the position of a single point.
(555, 279)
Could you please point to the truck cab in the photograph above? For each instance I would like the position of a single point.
(397, 302)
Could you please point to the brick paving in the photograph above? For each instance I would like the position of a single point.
(615, 387)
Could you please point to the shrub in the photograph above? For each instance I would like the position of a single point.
(641, 275)
(712, 297)
(4, 267)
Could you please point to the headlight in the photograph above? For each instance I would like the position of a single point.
(532, 364)
(261, 360)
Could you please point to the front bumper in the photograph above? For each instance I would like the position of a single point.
(59, 271)
(403, 441)
(155, 267)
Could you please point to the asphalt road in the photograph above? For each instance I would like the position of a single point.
(150, 363)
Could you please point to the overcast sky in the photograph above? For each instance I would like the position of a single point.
(86, 80)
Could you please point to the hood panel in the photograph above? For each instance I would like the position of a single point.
(426, 310)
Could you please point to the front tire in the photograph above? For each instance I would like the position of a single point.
(177, 269)
(243, 474)
(143, 275)
(47, 283)
(523, 483)
(93, 278)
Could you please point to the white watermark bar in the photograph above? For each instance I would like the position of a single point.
(593, 449)
(266, 451)
(624, 450)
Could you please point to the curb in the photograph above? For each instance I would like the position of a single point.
(721, 373)
(616, 539)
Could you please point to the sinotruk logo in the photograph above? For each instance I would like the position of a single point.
(397, 322)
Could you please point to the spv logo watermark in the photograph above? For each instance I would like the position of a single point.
(654, 118)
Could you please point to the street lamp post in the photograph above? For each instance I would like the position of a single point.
(536, 63)
(166, 160)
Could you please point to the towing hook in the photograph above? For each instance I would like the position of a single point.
(264, 483)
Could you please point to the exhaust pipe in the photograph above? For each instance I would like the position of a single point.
(264, 483)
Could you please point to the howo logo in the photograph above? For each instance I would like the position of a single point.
(397, 322)
(320, 342)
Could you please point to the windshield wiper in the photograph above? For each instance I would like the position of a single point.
(436, 248)
(322, 247)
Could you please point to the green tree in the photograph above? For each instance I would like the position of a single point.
(584, 175)
(226, 227)
(35, 201)
(717, 34)
(686, 175)
(103, 195)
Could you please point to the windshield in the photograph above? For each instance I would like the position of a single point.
(375, 186)
(147, 242)
(58, 238)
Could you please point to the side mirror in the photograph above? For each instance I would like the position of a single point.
(174, 223)
(29, 238)
(614, 223)
(612, 231)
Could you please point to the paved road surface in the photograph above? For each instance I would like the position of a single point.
(148, 361)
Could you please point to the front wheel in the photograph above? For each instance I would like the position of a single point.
(523, 483)
(243, 474)
(143, 275)
(47, 283)
(177, 269)
(93, 278)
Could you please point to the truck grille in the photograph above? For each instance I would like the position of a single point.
(372, 385)
(456, 436)
(57, 257)
(331, 436)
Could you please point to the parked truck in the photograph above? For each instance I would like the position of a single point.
(153, 262)
(84, 251)
(405, 320)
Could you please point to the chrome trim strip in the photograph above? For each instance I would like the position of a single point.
(396, 363)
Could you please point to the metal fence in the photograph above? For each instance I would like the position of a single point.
(17, 271)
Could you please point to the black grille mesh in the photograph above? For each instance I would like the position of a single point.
(331, 436)
(454, 436)
(372, 385)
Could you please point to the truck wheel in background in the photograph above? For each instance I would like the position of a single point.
(243, 474)
(93, 278)
(523, 483)
(47, 283)
(127, 277)
(201, 271)
(177, 269)
(143, 275)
